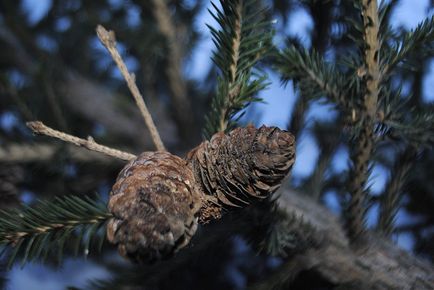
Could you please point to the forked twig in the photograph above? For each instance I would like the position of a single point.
(108, 39)
(39, 128)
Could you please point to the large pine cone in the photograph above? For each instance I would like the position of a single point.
(242, 167)
(155, 204)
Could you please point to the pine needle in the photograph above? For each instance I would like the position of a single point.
(34, 232)
(244, 38)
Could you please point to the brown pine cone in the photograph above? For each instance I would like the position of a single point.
(241, 168)
(155, 204)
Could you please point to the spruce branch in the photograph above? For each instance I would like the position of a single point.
(418, 130)
(33, 232)
(392, 195)
(371, 55)
(243, 40)
(421, 39)
(315, 77)
(40, 128)
(108, 39)
(287, 234)
(364, 142)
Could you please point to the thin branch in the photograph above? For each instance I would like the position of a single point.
(39, 128)
(242, 39)
(32, 232)
(44, 152)
(413, 41)
(392, 195)
(316, 76)
(107, 38)
(327, 87)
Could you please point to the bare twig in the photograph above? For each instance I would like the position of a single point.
(45, 152)
(108, 39)
(39, 128)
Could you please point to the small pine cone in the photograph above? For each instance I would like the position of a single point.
(242, 167)
(155, 204)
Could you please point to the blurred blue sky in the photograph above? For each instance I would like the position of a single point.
(276, 111)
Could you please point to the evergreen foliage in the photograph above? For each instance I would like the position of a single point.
(395, 128)
(313, 75)
(362, 92)
(419, 42)
(34, 232)
(286, 234)
(244, 38)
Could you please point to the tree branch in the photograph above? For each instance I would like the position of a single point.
(107, 38)
(82, 95)
(42, 152)
(39, 128)
(379, 265)
(233, 68)
(361, 154)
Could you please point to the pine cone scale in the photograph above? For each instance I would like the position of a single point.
(155, 205)
(243, 167)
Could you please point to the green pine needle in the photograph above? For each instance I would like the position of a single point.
(244, 38)
(286, 233)
(391, 197)
(418, 130)
(35, 232)
(418, 41)
(315, 77)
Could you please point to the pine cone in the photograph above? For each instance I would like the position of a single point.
(155, 204)
(241, 168)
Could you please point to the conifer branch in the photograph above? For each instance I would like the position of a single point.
(40, 128)
(392, 195)
(418, 130)
(371, 55)
(287, 234)
(315, 77)
(234, 89)
(244, 39)
(33, 232)
(364, 142)
(421, 39)
(108, 39)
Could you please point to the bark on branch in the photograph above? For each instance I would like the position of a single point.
(379, 264)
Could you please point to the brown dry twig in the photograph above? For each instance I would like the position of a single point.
(108, 39)
(39, 128)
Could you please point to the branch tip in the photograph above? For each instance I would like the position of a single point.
(41, 129)
(108, 39)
